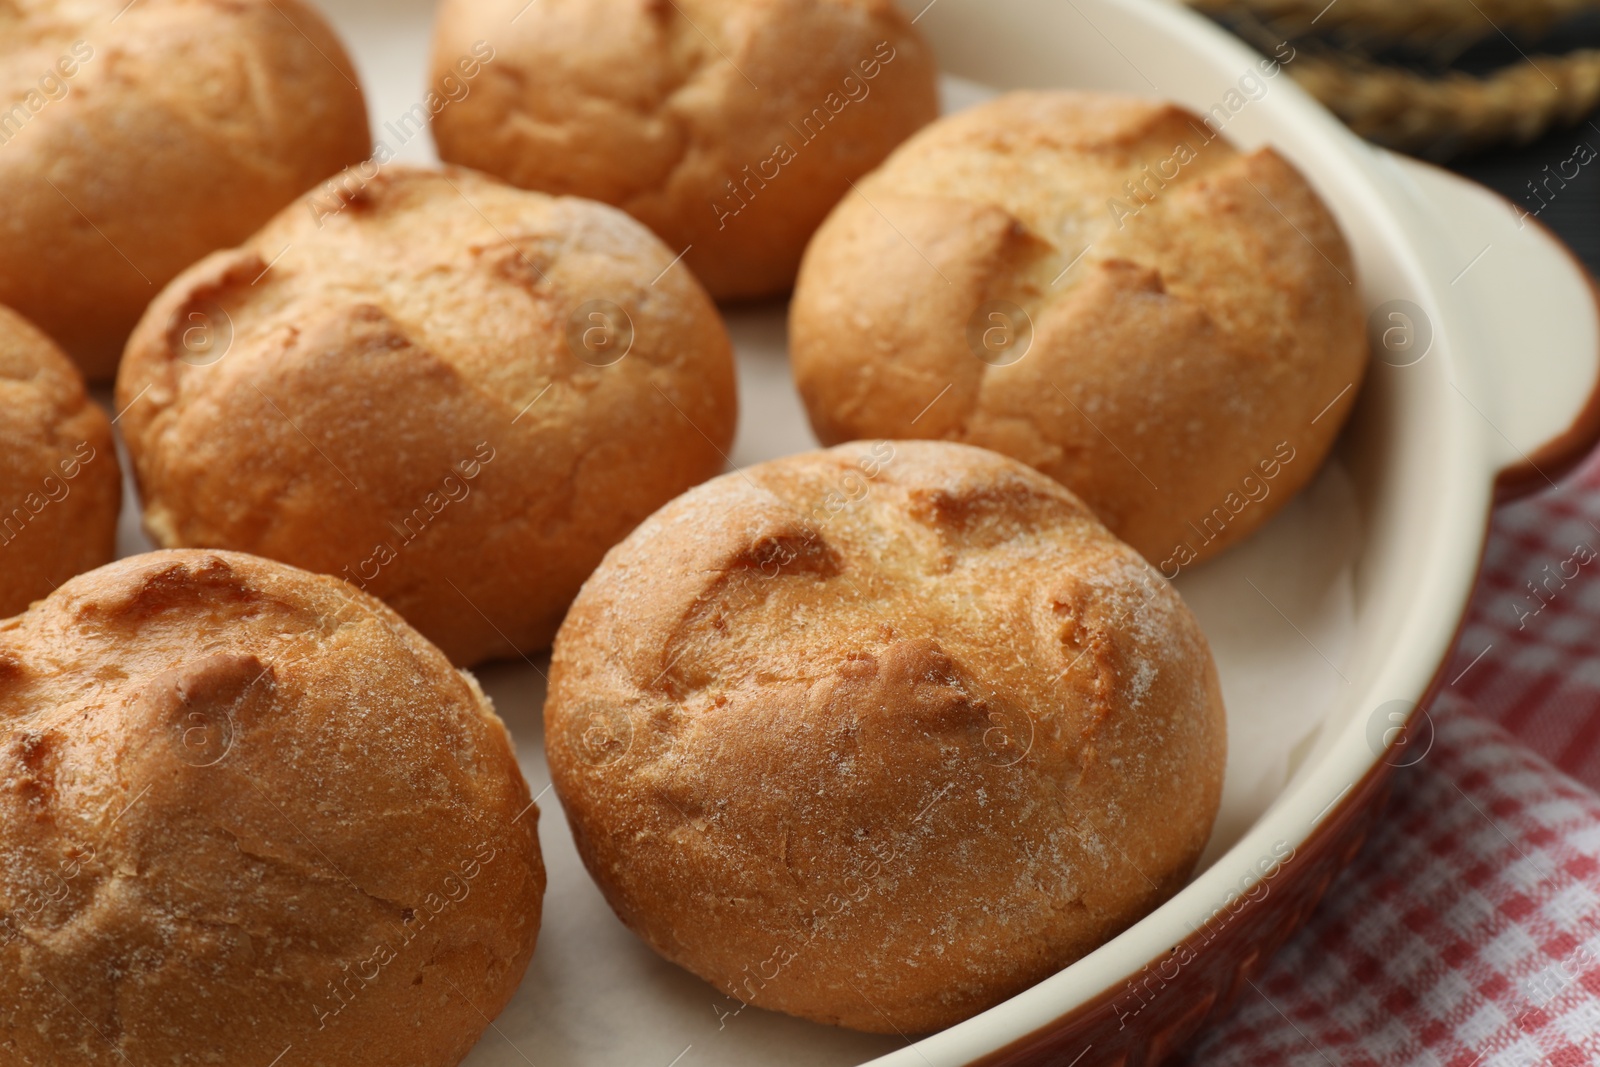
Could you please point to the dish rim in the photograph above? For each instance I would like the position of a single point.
(1344, 773)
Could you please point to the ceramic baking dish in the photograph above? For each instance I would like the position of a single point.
(1484, 375)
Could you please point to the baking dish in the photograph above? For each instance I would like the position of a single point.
(1483, 383)
(1484, 378)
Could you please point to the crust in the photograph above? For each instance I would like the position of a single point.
(1182, 337)
(245, 807)
(882, 735)
(60, 484)
(730, 131)
(401, 404)
(184, 126)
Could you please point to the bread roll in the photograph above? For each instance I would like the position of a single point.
(728, 129)
(883, 735)
(1103, 288)
(245, 809)
(60, 485)
(140, 136)
(450, 392)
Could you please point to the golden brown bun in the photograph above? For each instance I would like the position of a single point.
(244, 807)
(400, 399)
(881, 736)
(182, 126)
(60, 485)
(659, 106)
(1177, 370)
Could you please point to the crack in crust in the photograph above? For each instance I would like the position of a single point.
(730, 130)
(235, 777)
(1190, 308)
(890, 743)
(406, 402)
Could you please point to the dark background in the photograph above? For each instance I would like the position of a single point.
(1574, 212)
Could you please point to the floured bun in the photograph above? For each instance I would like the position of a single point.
(883, 735)
(1101, 287)
(246, 809)
(730, 129)
(60, 485)
(141, 136)
(453, 393)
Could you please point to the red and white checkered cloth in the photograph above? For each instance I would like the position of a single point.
(1467, 932)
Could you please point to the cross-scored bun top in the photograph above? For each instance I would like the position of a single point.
(1104, 288)
(901, 722)
(60, 485)
(139, 136)
(453, 392)
(244, 807)
(729, 127)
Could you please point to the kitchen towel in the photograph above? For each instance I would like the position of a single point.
(1467, 931)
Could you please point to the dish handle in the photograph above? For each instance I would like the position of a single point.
(1538, 310)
